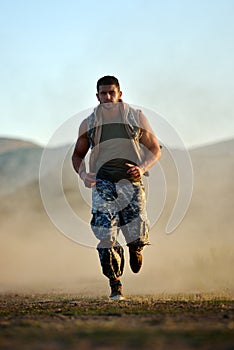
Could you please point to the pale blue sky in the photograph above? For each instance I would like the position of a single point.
(174, 57)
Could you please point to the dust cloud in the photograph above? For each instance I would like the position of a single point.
(197, 257)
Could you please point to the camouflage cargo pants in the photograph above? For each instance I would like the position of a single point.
(115, 207)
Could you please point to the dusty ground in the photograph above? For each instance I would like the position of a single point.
(67, 321)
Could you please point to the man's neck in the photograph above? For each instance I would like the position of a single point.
(111, 113)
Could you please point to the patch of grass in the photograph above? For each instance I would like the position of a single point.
(69, 322)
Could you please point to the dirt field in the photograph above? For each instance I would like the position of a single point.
(62, 321)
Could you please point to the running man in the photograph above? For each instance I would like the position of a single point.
(123, 149)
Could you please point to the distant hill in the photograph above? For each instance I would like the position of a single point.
(221, 148)
(20, 163)
(8, 144)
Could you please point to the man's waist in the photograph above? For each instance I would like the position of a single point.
(115, 170)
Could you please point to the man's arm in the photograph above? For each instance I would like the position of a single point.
(152, 151)
(80, 151)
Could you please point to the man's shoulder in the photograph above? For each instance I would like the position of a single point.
(86, 121)
(134, 109)
(90, 118)
(134, 115)
(137, 117)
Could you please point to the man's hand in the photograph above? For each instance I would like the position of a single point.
(135, 171)
(89, 179)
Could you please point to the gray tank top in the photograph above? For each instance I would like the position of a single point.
(115, 151)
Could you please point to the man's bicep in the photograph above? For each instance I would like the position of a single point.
(148, 137)
(144, 123)
(82, 144)
(149, 140)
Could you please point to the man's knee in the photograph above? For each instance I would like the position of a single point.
(106, 243)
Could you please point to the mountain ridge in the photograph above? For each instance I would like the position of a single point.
(20, 160)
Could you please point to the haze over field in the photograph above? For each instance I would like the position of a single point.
(198, 256)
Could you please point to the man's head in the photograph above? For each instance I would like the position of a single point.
(108, 90)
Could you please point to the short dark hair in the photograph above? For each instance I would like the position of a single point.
(108, 80)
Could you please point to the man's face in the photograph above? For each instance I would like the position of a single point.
(108, 93)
